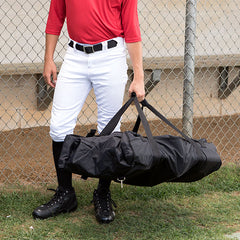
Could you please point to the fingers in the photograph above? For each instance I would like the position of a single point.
(54, 79)
(137, 86)
(48, 80)
(140, 97)
(50, 74)
(140, 94)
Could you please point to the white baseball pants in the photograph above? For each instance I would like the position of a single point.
(105, 71)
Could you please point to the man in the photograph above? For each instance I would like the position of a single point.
(95, 58)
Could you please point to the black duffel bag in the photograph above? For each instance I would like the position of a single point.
(133, 159)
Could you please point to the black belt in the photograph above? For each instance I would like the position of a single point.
(93, 48)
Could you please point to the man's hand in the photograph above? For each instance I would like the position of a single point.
(50, 73)
(50, 70)
(137, 86)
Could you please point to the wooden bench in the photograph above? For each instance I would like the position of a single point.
(154, 65)
(221, 62)
(148, 63)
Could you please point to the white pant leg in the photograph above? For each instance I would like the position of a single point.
(109, 78)
(71, 90)
(105, 71)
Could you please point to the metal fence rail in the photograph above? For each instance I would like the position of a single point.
(213, 69)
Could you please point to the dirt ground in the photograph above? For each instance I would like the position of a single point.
(26, 156)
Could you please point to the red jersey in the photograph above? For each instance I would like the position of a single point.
(94, 21)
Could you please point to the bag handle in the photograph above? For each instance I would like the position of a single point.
(141, 117)
(116, 118)
(146, 127)
(158, 114)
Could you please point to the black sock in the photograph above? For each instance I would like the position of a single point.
(64, 177)
(104, 185)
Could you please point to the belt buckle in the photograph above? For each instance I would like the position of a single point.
(88, 49)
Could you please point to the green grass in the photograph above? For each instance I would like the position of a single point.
(207, 209)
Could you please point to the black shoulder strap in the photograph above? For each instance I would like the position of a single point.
(114, 121)
(116, 118)
(151, 108)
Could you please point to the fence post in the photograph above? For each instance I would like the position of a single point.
(189, 62)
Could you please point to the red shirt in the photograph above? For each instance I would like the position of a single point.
(94, 21)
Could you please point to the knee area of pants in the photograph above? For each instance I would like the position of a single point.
(58, 135)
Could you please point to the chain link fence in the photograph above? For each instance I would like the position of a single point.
(25, 100)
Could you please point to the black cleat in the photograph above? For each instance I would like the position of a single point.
(103, 206)
(63, 201)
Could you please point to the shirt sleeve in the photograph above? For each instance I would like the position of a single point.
(56, 17)
(130, 21)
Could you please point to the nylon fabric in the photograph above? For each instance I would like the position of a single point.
(131, 157)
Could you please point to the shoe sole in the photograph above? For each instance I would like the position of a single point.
(106, 221)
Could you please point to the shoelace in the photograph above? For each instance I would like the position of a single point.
(104, 201)
(55, 198)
